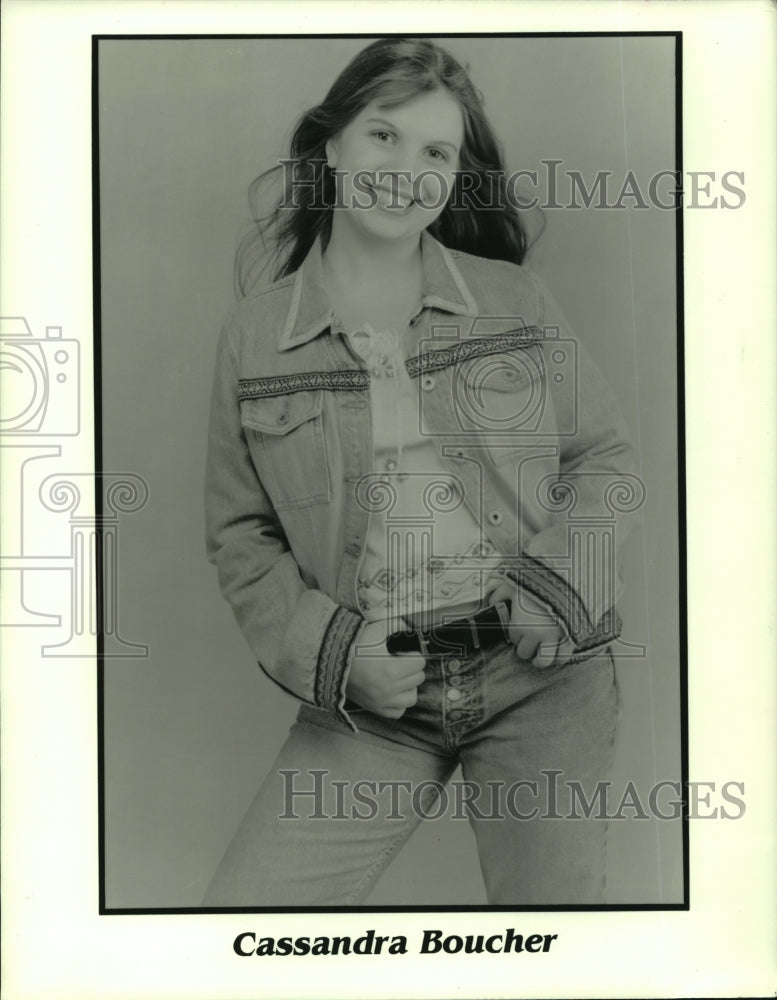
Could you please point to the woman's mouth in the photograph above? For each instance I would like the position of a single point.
(392, 201)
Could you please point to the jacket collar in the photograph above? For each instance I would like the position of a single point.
(310, 313)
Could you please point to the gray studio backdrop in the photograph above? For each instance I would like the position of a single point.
(185, 125)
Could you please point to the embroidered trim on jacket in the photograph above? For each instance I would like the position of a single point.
(608, 628)
(464, 350)
(552, 589)
(333, 659)
(279, 385)
(582, 657)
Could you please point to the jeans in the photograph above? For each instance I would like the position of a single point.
(505, 721)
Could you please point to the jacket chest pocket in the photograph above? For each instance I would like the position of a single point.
(286, 437)
(503, 399)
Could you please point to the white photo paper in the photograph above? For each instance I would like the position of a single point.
(137, 725)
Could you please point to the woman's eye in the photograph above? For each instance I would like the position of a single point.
(437, 154)
(383, 136)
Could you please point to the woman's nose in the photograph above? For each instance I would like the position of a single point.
(397, 180)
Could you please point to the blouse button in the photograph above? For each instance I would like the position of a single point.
(427, 382)
(390, 464)
(495, 517)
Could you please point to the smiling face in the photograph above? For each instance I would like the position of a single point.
(396, 165)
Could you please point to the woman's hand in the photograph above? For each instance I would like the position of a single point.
(384, 684)
(533, 630)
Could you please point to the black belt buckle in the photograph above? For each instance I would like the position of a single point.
(462, 636)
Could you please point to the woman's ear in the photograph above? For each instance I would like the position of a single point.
(331, 153)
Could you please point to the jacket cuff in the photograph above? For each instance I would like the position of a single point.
(333, 662)
(588, 637)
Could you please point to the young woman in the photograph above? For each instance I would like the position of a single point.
(409, 501)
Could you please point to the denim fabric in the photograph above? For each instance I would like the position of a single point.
(522, 419)
(507, 721)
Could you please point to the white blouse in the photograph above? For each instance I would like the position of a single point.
(423, 542)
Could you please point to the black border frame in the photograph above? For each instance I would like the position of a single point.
(681, 484)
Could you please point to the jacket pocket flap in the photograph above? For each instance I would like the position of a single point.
(281, 414)
(503, 372)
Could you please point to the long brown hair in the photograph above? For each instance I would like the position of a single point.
(394, 70)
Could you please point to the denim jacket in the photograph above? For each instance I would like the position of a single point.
(526, 426)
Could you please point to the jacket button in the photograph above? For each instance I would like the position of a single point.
(390, 464)
(495, 517)
(427, 382)
(283, 418)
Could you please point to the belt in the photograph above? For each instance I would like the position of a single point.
(480, 630)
